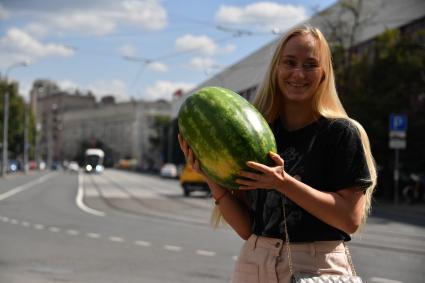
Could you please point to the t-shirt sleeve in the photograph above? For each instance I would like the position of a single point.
(346, 163)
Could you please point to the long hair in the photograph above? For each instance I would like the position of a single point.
(325, 101)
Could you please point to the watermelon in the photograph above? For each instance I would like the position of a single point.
(225, 131)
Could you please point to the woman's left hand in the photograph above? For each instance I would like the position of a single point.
(267, 178)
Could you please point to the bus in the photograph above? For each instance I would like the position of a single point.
(93, 160)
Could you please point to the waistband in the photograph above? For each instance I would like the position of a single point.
(255, 241)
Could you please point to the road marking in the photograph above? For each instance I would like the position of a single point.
(116, 239)
(172, 248)
(38, 226)
(93, 235)
(79, 199)
(25, 187)
(205, 253)
(383, 280)
(142, 243)
(73, 232)
(25, 223)
(54, 229)
(14, 221)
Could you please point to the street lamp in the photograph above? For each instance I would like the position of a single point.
(6, 117)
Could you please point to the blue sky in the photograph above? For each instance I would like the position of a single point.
(141, 49)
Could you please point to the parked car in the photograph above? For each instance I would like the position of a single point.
(168, 170)
(191, 181)
(73, 166)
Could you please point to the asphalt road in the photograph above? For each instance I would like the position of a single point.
(127, 227)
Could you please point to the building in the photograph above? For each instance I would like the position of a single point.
(127, 130)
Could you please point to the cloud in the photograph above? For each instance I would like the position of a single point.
(268, 14)
(67, 85)
(116, 88)
(199, 63)
(158, 67)
(149, 14)
(128, 50)
(165, 90)
(36, 29)
(89, 19)
(202, 44)
(18, 45)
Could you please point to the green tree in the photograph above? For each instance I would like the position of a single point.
(16, 120)
(390, 78)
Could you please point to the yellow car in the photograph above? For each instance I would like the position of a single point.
(192, 181)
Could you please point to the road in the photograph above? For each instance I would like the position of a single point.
(126, 227)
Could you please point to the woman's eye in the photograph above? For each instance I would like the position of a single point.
(310, 66)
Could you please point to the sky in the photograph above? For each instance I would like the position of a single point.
(136, 49)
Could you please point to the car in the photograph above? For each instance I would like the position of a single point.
(73, 166)
(13, 166)
(168, 170)
(192, 181)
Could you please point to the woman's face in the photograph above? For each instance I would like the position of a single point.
(299, 73)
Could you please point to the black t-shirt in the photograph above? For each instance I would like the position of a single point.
(335, 161)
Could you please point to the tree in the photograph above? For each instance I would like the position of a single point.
(16, 120)
(390, 79)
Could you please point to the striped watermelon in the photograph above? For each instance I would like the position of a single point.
(224, 131)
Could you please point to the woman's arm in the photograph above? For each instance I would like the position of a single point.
(342, 209)
(231, 205)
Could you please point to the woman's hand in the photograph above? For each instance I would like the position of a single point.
(190, 157)
(267, 178)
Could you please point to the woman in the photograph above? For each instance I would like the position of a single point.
(324, 173)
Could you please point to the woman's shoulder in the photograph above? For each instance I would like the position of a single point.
(337, 128)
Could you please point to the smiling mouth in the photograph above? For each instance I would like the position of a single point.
(297, 85)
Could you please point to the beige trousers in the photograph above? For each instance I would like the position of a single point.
(265, 260)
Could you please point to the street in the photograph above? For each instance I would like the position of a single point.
(127, 227)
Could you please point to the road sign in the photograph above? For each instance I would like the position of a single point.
(398, 123)
(398, 128)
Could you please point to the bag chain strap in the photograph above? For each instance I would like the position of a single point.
(288, 247)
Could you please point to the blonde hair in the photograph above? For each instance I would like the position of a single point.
(325, 101)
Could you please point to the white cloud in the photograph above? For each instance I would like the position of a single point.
(85, 22)
(128, 50)
(149, 14)
(199, 63)
(202, 44)
(36, 29)
(18, 45)
(116, 88)
(158, 67)
(67, 85)
(165, 89)
(267, 14)
(146, 14)
(229, 48)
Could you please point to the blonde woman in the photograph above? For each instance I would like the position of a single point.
(324, 173)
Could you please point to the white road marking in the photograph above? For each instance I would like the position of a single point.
(54, 229)
(5, 219)
(25, 223)
(142, 243)
(14, 221)
(116, 239)
(172, 248)
(25, 187)
(383, 280)
(205, 253)
(38, 226)
(73, 232)
(93, 235)
(79, 199)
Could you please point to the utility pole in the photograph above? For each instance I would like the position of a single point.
(5, 159)
(26, 143)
